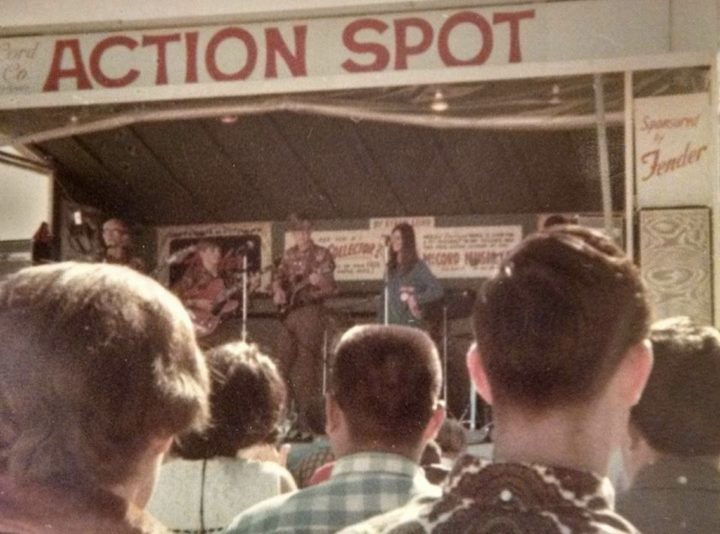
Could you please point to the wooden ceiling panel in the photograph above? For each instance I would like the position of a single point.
(85, 179)
(197, 163)
(149, 183)
(416, 170)
(337, 158)
(490, 170)
(263, 167)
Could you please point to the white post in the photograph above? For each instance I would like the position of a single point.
(243, 334)
(603, 152)
(629, 166)
(715, 215)
(386, 284)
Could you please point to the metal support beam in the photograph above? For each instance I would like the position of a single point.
(603, 152)
(629, 167)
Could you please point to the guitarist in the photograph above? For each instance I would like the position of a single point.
(202, 284)
(302, 280)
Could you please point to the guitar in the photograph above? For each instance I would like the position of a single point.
(207, 320)
(297, 296)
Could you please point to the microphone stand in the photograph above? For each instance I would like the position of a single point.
(243, 331)
(386, 284)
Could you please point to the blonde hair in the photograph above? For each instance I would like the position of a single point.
(95, 361)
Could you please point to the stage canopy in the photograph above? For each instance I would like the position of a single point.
(515, 146)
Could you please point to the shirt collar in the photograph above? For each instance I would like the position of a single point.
(530, 484)
(376, 461)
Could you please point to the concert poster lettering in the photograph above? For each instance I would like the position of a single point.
(467, 251)
(451, 252)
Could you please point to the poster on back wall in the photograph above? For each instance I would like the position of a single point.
(467, 251)
(450, 252)
(673, 155)
(177, 248)
(358, 254)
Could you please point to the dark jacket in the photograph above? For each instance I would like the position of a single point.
(674, 495)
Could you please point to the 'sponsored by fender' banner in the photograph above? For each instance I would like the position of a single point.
(314, 54)
(673, 159)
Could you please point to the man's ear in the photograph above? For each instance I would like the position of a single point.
(634, 371)
(477, 373)
(434, 424)
(332, 414)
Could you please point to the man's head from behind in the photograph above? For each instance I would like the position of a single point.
(555, 322)
(98, 364)
(247, 402)
(384, 391)
(678, 414)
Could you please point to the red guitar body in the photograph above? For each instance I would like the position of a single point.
(206, 321)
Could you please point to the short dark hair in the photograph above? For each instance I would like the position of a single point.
(95, 361)
(386, 380)
(555, 321)
(452, 437)
(678, 412)
(559, 219)
(299, 222)
(247, 402)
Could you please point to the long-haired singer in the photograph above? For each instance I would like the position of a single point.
(410, 285)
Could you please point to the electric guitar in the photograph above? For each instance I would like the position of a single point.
(297, 294)
(207, 321)
(222, 304)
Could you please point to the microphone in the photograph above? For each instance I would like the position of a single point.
(180, 255)
(245, 247)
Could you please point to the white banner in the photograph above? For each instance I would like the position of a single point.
(359, 254)
(452, 252)
(319, 54)
(467, 252)
(673, 154)
(384, 225)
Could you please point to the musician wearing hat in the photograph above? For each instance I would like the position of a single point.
(301, 282)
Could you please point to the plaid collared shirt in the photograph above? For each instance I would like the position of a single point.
(362, 485)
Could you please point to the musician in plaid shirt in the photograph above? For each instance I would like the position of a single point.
(382, 408)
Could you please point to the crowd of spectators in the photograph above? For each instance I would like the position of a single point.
(113, 420)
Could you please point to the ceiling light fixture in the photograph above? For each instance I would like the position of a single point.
(229, 119)
(439, 104)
